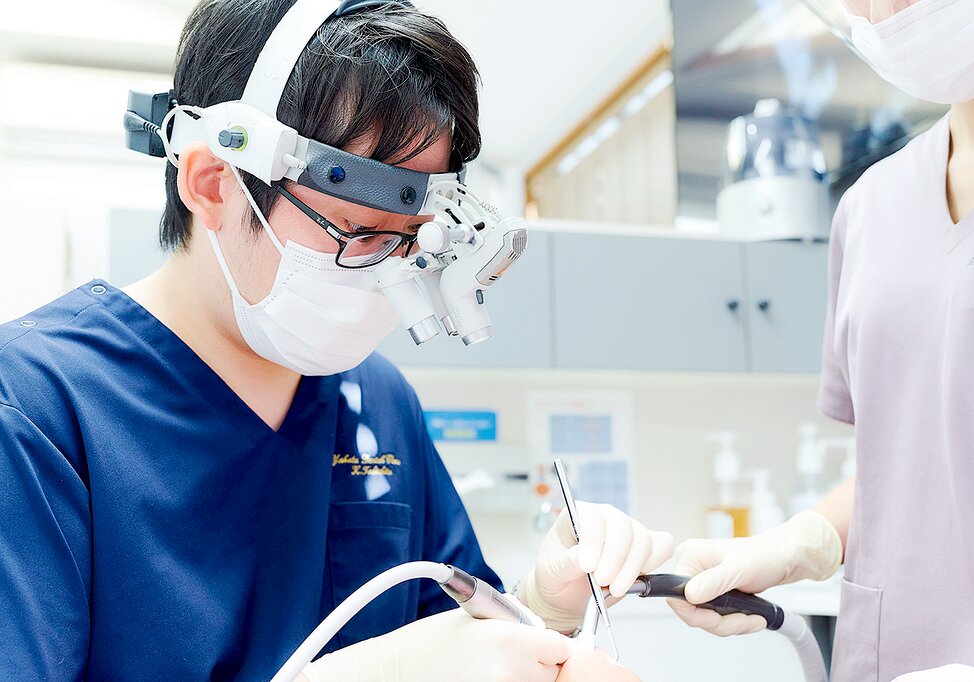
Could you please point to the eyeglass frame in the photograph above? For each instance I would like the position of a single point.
(341, 236)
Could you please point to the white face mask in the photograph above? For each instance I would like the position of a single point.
(319, 318)
(926, 50)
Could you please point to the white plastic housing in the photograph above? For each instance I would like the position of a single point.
(778, 207)
(401, 286)
(267, 139)
(434, 237)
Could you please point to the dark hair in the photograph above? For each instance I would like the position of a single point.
(389, 71)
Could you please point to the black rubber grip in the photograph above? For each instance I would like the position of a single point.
(735, 601)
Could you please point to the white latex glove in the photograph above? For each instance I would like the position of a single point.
(948, 673)
(612, 545)
(805, 546)
(446, 647)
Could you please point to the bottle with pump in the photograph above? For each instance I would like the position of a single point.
(848, 445)
(848, 469)
(546, 513)
(727, 519)
(810, 462)
(765, 511)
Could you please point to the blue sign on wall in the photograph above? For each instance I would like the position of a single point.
(460, 426)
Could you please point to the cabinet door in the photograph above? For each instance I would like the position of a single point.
(519, 306)
(629, 302)
(787, 291)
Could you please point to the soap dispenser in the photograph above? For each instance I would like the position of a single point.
(848, 469)
(765, 511)
(809, 462)
(726, 519)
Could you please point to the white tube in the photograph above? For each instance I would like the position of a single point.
(796, 629)
(322, 634)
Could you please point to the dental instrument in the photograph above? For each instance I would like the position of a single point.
(669, 586)
(472, 594)
(597, 595)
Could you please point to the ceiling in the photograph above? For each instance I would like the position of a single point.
(544, 64)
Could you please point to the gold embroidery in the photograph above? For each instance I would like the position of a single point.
(379, 465)
(370, 470)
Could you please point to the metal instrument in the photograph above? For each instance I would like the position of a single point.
(603, 610)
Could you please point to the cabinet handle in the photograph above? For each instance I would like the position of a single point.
(733, 306)
(763, 306)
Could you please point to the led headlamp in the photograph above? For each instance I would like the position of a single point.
(246, 133)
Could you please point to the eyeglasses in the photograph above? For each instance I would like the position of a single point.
(355, 250)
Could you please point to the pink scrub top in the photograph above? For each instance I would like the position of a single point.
(899, 364)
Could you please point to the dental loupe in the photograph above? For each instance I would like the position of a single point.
(466, 247)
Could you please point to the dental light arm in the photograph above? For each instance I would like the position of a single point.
(670, 586)
(472, 594)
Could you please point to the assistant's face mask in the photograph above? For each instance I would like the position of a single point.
(923, 47)
(926, 50)
(319, 319)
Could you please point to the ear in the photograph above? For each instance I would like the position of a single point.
(202, 182)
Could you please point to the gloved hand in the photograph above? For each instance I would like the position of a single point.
(447, 647)
(948, 673)
(805, 546)
(613, 546)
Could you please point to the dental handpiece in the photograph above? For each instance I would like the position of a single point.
(793, 627)
(669, 586)
(473, 595)
(672, 587)
(481, 600)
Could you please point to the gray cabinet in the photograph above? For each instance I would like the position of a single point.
(787, 292)
(630, 302)
(520, 309)
(133, 245)
(601, 301)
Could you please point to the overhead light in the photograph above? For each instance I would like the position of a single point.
(589, 144)
(568, 163)
(608, 128)
(652, 90)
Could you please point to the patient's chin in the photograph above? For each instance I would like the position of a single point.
(588, 666)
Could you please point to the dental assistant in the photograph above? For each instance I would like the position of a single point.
(897, 364)
(195, 470)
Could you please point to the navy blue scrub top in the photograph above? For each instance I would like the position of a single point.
(153, 527)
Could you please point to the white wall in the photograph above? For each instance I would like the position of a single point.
(62, 169)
